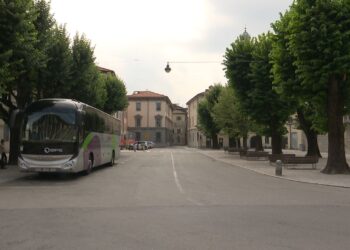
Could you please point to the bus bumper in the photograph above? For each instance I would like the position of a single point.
(53, 167)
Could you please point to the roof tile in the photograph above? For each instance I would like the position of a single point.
(146, 94)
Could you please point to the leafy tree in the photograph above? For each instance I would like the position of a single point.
(19, 50)
(228, 115)
(43, 25)
(116, 94)
(237, 60)
(87, 84)
(98, 91)
(206, 121)
(289, 86)
(37, 60)
(320, 42)
(57, 78)
(5, 50)
(267, 108)
(248, 69)
(237, 68)
(5, 75)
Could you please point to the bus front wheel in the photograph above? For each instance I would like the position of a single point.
(89, 167)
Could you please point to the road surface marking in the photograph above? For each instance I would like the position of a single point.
(178, 184)
(175, 175)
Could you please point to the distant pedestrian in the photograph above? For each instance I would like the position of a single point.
(3, 159)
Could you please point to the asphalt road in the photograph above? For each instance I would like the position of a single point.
(171, 199)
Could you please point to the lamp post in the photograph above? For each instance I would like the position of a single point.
(167, 68)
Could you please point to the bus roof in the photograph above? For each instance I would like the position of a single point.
(79, 105)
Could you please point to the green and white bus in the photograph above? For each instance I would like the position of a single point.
(63, 135)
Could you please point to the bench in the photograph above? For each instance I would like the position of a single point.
(300, 160)
(242, 153)
(235, 150)
(256, 155)
(274, 157)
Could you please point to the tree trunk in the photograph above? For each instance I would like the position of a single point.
(276, 142)
(214, 139)
(15, 138)
(336, 162)
(312, 144)
(311, 135)
(245, 144)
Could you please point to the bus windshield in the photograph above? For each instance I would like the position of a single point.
(50, 122)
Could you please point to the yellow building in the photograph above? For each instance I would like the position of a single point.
(150, 117)
(180, 125)
(195, 138)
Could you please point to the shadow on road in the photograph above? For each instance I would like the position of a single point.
(44, 179)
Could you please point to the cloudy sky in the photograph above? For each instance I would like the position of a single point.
(136, 38)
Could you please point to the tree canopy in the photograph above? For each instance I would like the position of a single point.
(248, 70)
(320, 42)
(116, 99)
(206, 120)
(289, 86)
(39, 60)
(228, 115)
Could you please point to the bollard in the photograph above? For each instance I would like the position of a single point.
(278, 170)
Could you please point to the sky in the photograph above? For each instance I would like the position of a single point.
(136, 38)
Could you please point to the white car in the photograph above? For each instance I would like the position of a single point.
(142, 145)
(150, 144)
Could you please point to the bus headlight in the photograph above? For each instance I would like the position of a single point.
(22, 164)
(69, 164)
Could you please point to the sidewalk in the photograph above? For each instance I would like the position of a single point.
(10, 173)
(299, 173)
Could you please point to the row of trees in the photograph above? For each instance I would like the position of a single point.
(39, 60)
(301, 68)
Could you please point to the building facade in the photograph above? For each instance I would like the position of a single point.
(180, 125)
(150, 117)
(294, 139)
(195, 138)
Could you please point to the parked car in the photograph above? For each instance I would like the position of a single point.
(141, 145)
(150, 144)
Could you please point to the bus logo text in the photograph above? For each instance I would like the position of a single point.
(53, 150)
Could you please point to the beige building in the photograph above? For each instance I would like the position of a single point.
(294, 139)
(122, 116)
(195, 138)
(180, 125)
(150, 117)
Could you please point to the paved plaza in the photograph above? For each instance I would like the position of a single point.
(300, 173)
(175, 198)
